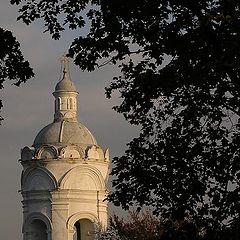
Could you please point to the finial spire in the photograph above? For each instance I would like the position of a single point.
(65, 64)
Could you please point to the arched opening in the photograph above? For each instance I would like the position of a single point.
(83, 230)
(37, 230)
(58, 105)
(71, 103)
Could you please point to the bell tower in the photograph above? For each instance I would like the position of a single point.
(65, 171)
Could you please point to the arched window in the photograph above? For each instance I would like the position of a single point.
(58, 104)
(38, 230)
(71, 103)
(83, 230)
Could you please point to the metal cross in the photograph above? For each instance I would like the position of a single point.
(65, 62)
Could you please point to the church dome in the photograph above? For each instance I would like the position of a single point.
(64, 133)
(65, 85)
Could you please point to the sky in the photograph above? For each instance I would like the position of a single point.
(28, 108)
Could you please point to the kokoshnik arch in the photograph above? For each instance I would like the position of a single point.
(64, 175)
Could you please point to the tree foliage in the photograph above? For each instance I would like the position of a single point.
(134, 226)
(180, 69)
(13, 66)
(143, 225)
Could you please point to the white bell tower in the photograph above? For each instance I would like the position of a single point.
(64, 175)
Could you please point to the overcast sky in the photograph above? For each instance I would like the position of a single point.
(29, 108)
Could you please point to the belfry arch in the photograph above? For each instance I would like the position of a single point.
(84, 229)
(83, 226)
(37, 227)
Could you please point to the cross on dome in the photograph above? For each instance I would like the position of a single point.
(65, 84)
(65, 63)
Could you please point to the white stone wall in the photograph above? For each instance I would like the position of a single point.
(65, 190)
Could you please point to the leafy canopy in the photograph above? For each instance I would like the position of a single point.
(180, 68)
(13, 66)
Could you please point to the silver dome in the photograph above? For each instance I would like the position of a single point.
(65, 85)
(64, 133)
